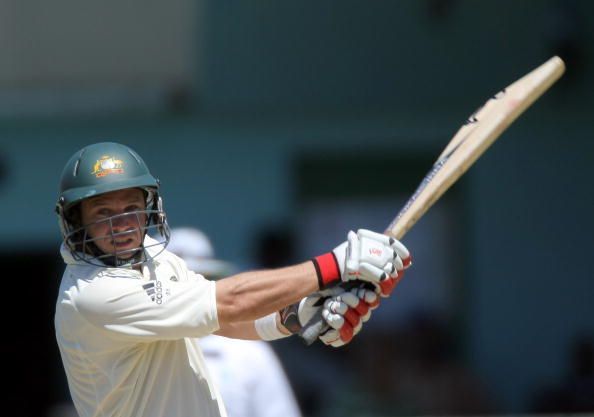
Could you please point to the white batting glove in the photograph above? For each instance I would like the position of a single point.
(344, 311)
(365, 256)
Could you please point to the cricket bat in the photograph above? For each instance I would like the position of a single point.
(473, 138)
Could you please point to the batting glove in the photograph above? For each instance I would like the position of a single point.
(365, 256)
(344, 311)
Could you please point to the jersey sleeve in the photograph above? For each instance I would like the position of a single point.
(150, 310)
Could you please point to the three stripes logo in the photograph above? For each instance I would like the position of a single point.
(154, 290)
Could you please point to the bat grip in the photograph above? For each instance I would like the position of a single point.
(313, 328)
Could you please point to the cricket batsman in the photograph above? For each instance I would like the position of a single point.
(129, 312)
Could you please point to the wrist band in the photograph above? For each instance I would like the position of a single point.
(267, 329)
(327, 269)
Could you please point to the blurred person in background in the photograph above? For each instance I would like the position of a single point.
(129, 312)
(249, 375)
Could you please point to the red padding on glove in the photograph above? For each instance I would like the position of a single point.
(327, 269)
(352, 317)
(346, 333)
(375, 303)
(388, 285)
(406, 262)
(362, 308)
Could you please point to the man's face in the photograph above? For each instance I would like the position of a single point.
(122, 233)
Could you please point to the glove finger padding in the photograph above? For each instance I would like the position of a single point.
(340, 325)
(385, 287)
(402, 252)
(368, 301)
(332, 338)
(345, 314)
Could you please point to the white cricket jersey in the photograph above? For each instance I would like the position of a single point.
(250, 377)
(127, 339)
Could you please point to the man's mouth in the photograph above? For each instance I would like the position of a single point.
(122, 243)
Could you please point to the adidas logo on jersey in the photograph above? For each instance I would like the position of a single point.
(154, 290)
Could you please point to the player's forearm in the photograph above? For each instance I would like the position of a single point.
(251, 295)
(239, 330)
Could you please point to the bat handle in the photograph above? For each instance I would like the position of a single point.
(313, 328)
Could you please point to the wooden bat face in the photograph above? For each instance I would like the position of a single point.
(475, 136)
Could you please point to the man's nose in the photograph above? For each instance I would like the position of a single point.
(124, 221)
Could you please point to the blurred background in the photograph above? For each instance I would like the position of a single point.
(276, 127)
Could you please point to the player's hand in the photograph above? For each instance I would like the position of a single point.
(344, 311)
(365, 256)
(346, 314)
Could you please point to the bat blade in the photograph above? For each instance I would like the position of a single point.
(473, 138)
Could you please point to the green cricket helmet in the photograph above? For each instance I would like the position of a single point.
(102, 168)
